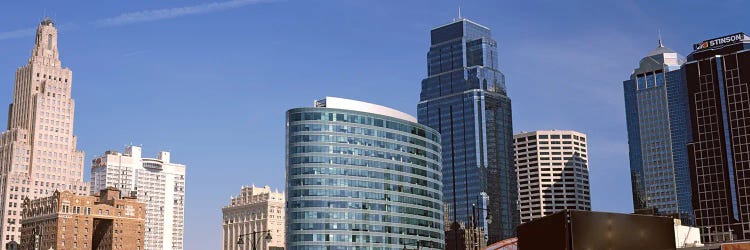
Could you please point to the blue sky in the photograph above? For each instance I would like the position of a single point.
(210, 81)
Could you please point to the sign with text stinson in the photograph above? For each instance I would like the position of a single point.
(719, 42)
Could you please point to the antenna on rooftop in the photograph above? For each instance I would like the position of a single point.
(460, 2)
(660, 44)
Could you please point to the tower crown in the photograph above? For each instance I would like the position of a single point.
(45, 46)
(47, 22)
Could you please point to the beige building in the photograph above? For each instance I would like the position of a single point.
(254, 210)
(38, 152)
(69, 221)
(553, 172)
(157, 182)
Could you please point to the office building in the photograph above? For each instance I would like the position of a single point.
(38, 154)
(69, 221)
(658, 130)
(257, 214)
(553, 172)
(465, 99)
(157, 182)
(361, 176)
(719, 154)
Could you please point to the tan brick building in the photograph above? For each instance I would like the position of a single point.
(69, 221)
(256, 209)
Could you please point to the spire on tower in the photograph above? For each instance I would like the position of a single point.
(460, 2)
(660, 44)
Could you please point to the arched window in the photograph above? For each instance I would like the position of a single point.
(49, 41)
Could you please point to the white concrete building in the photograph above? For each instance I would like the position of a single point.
(685, 236)
(553, 172)
(159, 183)
(38, 153)
(256, 209)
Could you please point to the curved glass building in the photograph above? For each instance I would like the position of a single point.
(360, 176)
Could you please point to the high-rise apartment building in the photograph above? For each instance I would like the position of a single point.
(656, 106)
(553, 172)
(717, 74)
(464, 98)
(69, 221)
(361, 176)
(157, 182)
(38, 152)
(248, 217)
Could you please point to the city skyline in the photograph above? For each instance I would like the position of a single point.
(147, 68)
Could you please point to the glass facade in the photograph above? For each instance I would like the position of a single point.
(658, 132)
(464, 98)
(719, 154)
(360, 181)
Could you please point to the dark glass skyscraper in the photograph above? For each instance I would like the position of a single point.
(658, 131)
(465, 99)
(717, 74)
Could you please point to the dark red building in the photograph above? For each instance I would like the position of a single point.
(717, 75)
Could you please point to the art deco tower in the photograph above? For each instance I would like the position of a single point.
(38, 152)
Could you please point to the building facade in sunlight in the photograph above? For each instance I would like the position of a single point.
(717, 74)
(106, 220)
(553, 172)
(361, 176)
(256, 210)
(658, 130)
(157, 182)
(38, 152)
(465, 99)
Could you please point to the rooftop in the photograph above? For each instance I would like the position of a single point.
(354, 105)
(47, 21)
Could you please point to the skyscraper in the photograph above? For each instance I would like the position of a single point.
(716, 73)
(361, 176)
(256, 209)
(658, 131)
(553, 172)
(38, 152)
(464, 98)
(157, 182)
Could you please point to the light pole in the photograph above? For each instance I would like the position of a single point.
(474, 233)
(731, 236)
(252, 239)
(708, 232)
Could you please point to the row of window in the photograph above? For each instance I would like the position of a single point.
(364, 172)
(364, 216)
(365, 228)
(357, 238)
(303, 160)
(363, 119)
(365, 195)
(366, 206)
(434, 145)
(544, 137)
(299, 183)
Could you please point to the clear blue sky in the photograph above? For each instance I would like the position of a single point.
(210, 81)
